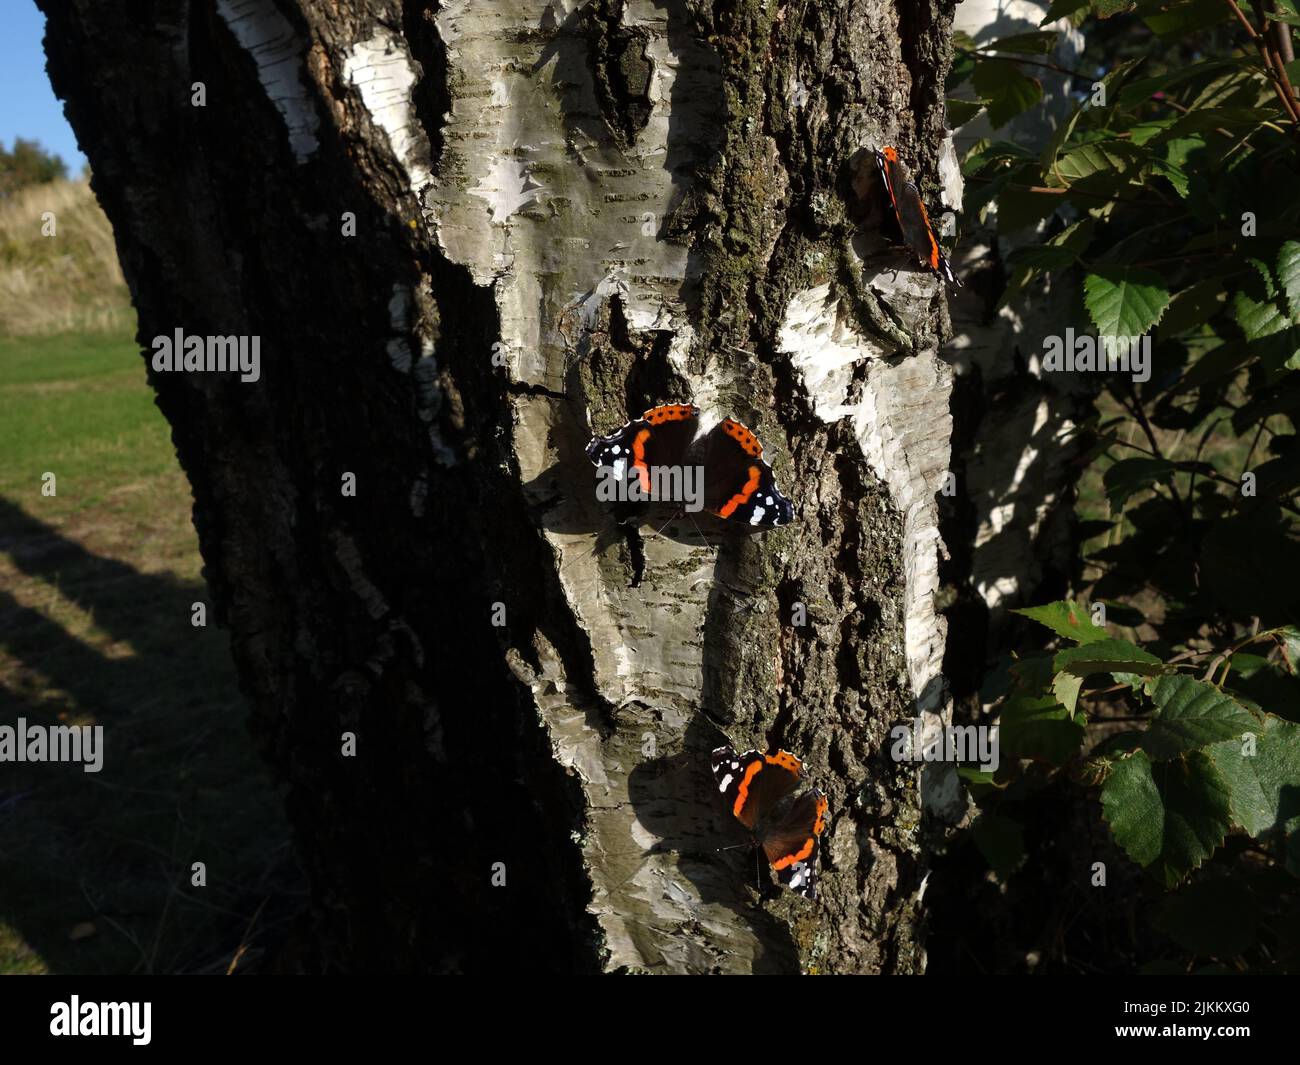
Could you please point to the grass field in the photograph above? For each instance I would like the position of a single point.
(97, 584)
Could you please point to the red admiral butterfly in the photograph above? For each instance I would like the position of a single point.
(738, 483)
(759, 789)
(909, 209)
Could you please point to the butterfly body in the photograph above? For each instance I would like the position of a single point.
(738, 483)
(913, 219)
(762, 793)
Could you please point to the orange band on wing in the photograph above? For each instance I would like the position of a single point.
(802, 854)
(638, 459)
(785, 760)
(751, 486)
(929, 232)
(743, 793)
(806, 850)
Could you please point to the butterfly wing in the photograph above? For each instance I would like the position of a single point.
(660, 437)
(913, 220)
(753, 784)
(791, 843)
(738, 483)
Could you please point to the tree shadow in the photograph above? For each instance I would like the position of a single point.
(95, 867)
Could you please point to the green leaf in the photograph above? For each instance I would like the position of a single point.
(1193, 307)
(1223, 361)
(1282, 16)
(1066, 688)
(1040, 729)
(1288, 276)
(962, 111)
(1128, 476)
(1139, 92)
(1065, 618)
(1041, 257)
(1110, 8)
(1107, 656)
(1241, 119)
(1187, 17)
(1257, 307)
(1032, 673)
(1008, 91)
(1265, 786)
(1061, 8)
(1112, 158)
(1258, 319)
(1215, 917)
(1169, 816)
(1124, 301)
(1037, 43)
(1191, 714)
(1001, 841)
(1020, 207)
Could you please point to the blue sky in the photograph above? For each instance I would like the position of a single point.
(28, 106)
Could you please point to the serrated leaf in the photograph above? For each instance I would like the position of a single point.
(1290, 637)
(1066, 688)
(1187, 17)
(1223, 361)
(1041, 257)
(1202, 120)
(1193, 307)
(1128, 476)
(1065, 618)
(1288, 276)
(1139, 92)
(1265, 786)
(1061, 8)
(1259, 319)
(1124, 301)
(1008, 91)
(1039, 42)
(962, 111)
(1191, 714)
(1109, 157)
(1032, 673)
(1167, 816)
(1107, 656)
(1039, 729)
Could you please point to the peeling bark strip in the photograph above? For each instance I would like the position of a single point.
(634, 201)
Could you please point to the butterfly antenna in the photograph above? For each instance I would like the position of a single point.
(655, 535)
(699, 530)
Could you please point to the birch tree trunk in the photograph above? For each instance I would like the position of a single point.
(564, 213)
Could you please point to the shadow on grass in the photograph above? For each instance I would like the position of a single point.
(95, 868)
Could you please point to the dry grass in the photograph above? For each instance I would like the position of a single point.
(69, 280)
